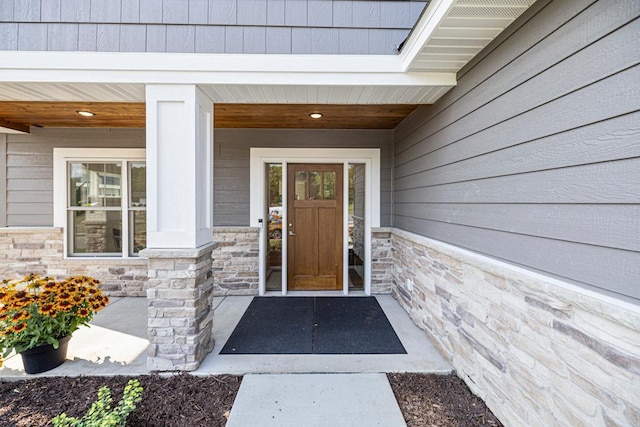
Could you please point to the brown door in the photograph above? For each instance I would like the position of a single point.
(314, 241)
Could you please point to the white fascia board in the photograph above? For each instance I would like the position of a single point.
(162, 68)
(431, 19)
(161, 61)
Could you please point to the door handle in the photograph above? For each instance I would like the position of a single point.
(291, 233)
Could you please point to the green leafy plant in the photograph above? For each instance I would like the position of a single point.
(101, 414)
(40, 310)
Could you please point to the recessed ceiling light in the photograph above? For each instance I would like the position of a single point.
(85, 113)
(315, 115)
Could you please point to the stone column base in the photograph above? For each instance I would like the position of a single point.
(180, 314)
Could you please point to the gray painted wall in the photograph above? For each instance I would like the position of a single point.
(534, 157)
(208, 26)
(232, 158)
(29, 168)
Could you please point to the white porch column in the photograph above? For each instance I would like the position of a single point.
(179, 219)
(179, 166)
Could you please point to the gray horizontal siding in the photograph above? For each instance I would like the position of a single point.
(576, 262)
(612, 226)
(534, 157)
(208, 26)
(3, 180)
(29, 167)
(232, 158)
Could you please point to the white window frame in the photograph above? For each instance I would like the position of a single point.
(260, 157)
(61, 158)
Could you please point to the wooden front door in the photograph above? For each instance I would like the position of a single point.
(314, 240)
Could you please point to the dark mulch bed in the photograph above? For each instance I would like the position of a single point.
(185, 400)
(181, 400)
(439, 400)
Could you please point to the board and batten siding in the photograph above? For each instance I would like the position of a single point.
(29, 167)
(232, 159)
(534, 158)
(208, 26)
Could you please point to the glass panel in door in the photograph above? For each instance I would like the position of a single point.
(356, 226)
(274, 235)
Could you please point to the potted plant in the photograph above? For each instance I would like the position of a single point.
(39, 314)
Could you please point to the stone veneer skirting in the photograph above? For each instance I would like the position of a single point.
(236, 260)
(25, 250)
(539, 351)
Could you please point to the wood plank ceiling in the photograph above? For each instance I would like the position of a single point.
(22, 115)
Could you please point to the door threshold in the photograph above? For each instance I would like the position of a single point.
(315, 294)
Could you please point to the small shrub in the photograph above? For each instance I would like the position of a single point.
(101, 414)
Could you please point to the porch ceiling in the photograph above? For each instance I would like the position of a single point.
(21, 115)
(446, 37)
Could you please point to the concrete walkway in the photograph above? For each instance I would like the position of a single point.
(277, 390)
(311, 400)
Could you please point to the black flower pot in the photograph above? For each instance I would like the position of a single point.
(44, 357)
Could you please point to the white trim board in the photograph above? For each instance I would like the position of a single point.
(297, 79)
(192, 68)
(370, 157)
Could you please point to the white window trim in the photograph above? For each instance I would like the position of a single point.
(260, 157)
(61, 157)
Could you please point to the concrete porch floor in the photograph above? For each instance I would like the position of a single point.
(116, 344)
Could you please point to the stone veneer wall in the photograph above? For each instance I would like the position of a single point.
(381, 261)
(539, 351)
(236, 260)
(40, 250)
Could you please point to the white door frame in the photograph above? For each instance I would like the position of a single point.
(260, 157)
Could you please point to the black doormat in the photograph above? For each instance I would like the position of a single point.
(314, 325)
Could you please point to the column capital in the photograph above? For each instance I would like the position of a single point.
(172, 253)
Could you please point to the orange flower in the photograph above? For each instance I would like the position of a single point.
(34, 285)
(64, 305)
(46, 309)
(19, 327)
(64, 296)
(17, 316)
(83, 312)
